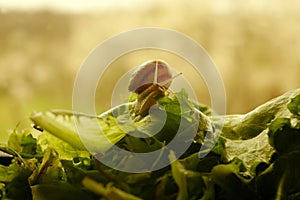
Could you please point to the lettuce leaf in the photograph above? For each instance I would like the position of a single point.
(256, 156)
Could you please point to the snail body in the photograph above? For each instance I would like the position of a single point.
(151, 79)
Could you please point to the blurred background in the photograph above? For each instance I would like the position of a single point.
(254, 44)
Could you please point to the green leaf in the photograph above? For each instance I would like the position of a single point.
(281, 179)
(9, 151)
(206, 163)
(59, 190)
(24, 144)
(250, 151)
(190, 183)
(282, 136)
(209, 190)
(17, 167)
(179, 175)
(181, 113)
(100, 133)
(178, 104)
(29, 145)
(229, 177)
(3, 173)
(134, 144)
(75, 173)
(253, 123)
(294, 105)
(65, 150)
(278, 125)
(2, 191)
(50, 170)
(109, 192)
(18, 188)
(14, 141)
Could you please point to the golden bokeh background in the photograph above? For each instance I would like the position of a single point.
(255, 45)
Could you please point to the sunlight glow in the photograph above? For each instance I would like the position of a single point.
(71, 6)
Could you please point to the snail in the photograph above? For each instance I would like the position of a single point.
(151, 79)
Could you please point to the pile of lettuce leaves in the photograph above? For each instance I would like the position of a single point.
(256, 156)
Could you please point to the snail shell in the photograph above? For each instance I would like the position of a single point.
(144, 75)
